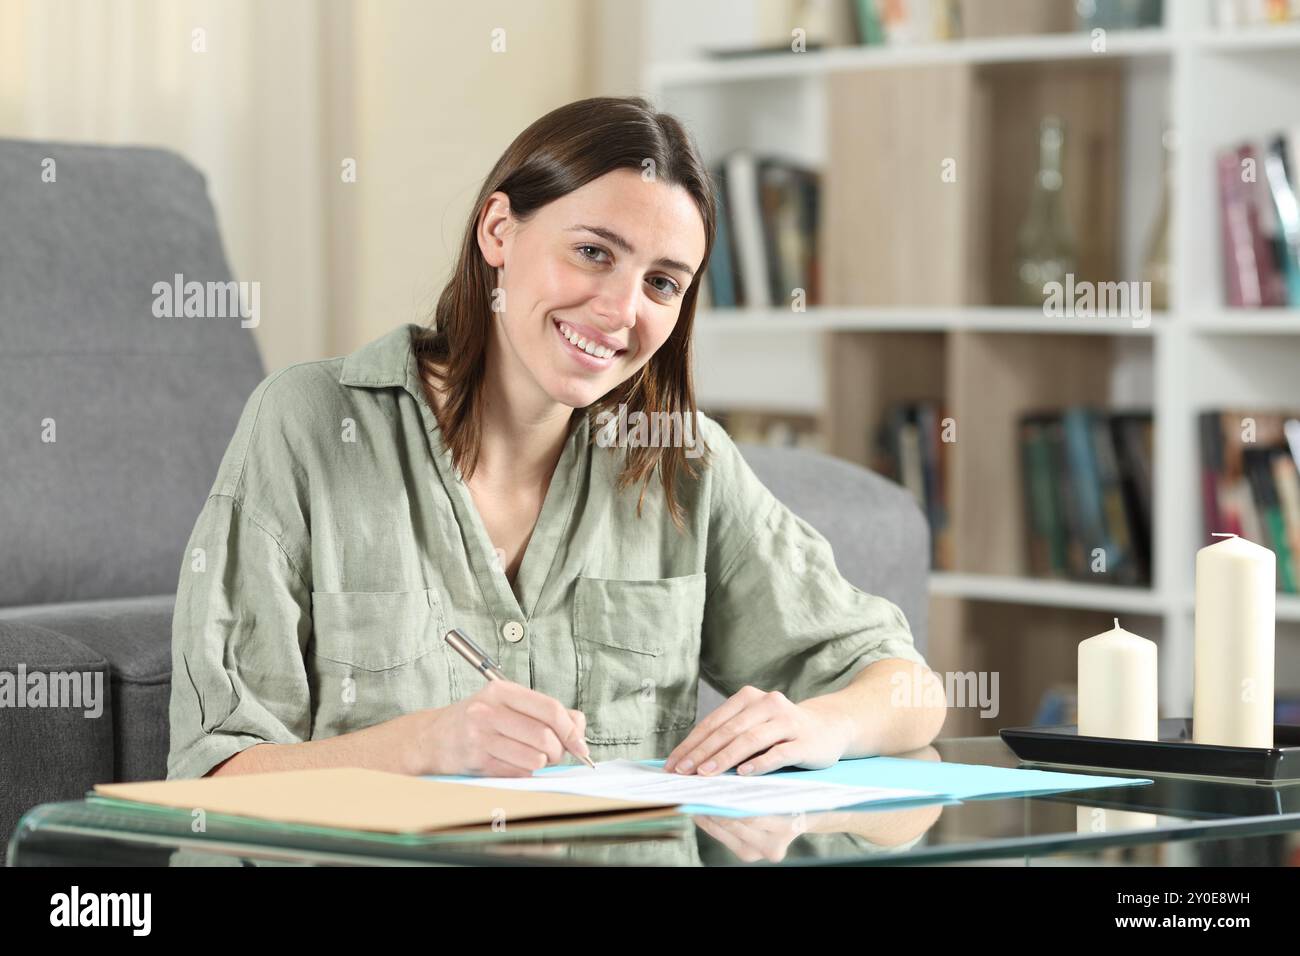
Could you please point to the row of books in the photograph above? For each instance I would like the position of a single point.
(910, 449)
(1250, 482)
(926, 21)
(1259, 197)
(879, 22)
(1087, 485)
(766, 244)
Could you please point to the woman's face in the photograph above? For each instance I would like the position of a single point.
(591, 286)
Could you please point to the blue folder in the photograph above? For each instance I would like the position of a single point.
(949, 782)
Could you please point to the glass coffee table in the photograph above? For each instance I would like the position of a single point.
(1174, 821)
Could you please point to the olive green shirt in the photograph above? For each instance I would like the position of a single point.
(339, 544)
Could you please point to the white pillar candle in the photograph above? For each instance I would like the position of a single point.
(1232, 702)
(1118, 691)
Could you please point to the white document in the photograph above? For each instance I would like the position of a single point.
(629, 780)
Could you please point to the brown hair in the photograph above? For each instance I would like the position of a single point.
(559, 153)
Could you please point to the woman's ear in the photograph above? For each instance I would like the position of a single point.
(493, 227)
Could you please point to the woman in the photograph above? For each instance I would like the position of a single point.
(495, 473)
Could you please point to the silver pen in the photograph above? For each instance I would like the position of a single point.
(484, 664)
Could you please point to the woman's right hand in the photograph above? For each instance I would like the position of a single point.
(503, 729)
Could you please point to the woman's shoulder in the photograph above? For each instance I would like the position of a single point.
(279, 420)
(726, 483)
(296, 396)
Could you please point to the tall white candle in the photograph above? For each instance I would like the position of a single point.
(1232, 703)
(1118, 689)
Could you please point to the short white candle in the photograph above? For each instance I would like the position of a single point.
(1232, 702)
(1118, 689)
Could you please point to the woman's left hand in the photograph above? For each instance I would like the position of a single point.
(767, 724)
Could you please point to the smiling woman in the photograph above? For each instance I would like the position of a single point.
(451, 476)
(588, 236)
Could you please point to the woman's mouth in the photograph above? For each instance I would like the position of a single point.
(587, 353)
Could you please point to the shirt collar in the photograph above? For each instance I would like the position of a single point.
(385, 361)
(390, 360)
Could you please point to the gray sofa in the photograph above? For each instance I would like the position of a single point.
(93, 523)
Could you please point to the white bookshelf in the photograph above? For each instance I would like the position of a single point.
(1214, 87)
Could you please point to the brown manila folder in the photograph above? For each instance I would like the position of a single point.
(356, 799)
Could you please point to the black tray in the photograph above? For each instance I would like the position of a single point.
(1174, 752)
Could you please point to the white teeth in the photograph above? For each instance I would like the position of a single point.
(591, 348)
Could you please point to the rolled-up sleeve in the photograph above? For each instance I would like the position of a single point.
(241, 625)
(778, 614)
(242, 621)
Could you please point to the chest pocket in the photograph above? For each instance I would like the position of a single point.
(375, 655)
(638, 646)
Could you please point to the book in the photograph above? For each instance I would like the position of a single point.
(766, 246)
(1282, 184)
(747, 229)
(1086, 476)
(909, 449)
(722, 269)
(1250, 278)
(1046, 520)
(788, 204)
(1258, 469)
(1251, 462)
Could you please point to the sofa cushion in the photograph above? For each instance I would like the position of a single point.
(140, 407)
(49, 752)
(132, 636)
(880, 537)
(878, 534)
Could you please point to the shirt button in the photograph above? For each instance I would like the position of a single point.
(512, 631)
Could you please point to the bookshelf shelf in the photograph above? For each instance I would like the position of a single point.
(1064, 594)
(1247, 322)
(1248, 39)
(1012, 49)
(919, 319)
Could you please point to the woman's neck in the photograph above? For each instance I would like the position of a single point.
(521, 438)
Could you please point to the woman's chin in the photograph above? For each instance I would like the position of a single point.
(575, 394)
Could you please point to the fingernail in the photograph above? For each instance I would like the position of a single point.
(709, 767)
(684, 766)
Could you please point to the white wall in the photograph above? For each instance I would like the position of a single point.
(283, 92)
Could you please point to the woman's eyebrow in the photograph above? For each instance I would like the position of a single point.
(610, 235)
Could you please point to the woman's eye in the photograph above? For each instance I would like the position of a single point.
(583, 250)
(671, 289)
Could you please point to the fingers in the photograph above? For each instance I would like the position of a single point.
(527, 719)
(782, 755)
(542, 708)
(751, 729)
(521, 757)
(748, 843)
(751, 742)
(531, 733)
(728, 709)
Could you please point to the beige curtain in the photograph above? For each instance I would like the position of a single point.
(271, 99)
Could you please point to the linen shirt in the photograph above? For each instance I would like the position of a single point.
(338, 545)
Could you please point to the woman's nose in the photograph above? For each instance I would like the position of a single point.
(617, 303)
